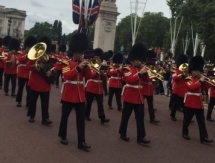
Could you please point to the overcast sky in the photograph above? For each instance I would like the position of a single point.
(50, 10)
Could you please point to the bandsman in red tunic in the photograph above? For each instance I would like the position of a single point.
(94, 89)
(115, 80)
(3, 48)
(132, 93)
(148, 88)
(39, 85)
(58, 64)
(193, 100)
(73, 93)
(10, 70)
(211, 103)
(179, 87)
(22, 71)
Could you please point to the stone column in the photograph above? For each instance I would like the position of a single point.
(105, 26)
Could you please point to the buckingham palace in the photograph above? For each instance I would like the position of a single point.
(12, 22)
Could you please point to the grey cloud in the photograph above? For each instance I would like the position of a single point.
(36, 4)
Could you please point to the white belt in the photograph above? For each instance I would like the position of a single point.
(71, 82)
(21, 65)
(112, 77)
(131, 86)
(149, 83)
(93, 80)
(191, 93)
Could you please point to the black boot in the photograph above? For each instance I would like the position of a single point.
(84, 146)
(46, 122)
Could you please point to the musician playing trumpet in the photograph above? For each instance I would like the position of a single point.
(73, 91)
(193, 100)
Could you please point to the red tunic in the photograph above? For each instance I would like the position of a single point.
(115, 80)
(22, 71)
(193, 97)
(95, 84)
(2, 63)
(73, 88)
(212, 89)
(36, 81)
(58, 64)
(179, 86)
(148, 88)
(10, 64)
(132, 91)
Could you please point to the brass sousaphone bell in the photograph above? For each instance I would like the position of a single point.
(37, 52)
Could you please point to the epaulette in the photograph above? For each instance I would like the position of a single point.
(19, 52)
(67, 67)
(188, 80)
(126, 68)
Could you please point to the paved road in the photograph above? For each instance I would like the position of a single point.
(24, 142)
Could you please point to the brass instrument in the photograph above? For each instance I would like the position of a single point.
(184, 68)
(153, 72)
(210, 80)
(94, 64)
(37, 52)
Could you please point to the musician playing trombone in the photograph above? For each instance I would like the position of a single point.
(94, 88)
(133, 93)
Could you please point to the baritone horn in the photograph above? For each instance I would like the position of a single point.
(184, 68)
(38, 53)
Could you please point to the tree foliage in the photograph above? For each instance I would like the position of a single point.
(53, 31)
(200, 14)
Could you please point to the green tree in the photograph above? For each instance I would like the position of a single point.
(200, 14)
(152, 31)
(40, 29)
(59, 32)
(55, 30)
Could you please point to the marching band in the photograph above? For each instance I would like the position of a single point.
(38, 66)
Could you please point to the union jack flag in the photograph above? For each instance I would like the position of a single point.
(85, 18)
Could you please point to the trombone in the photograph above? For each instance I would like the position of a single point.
(94, 64)
(209, 80)
(153, 73)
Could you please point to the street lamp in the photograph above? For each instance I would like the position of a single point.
(9, 24)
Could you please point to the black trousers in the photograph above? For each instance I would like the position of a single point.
(1, 76)
(117, 92)
(150, 106)
(210, 107)
(177, 104)
(44, 98)
(80, 122)
(58, 75)
(199, 113)
(99, 100)
(139, 114)
(104, 82)
(7, 78)
(22, 82)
